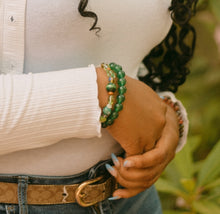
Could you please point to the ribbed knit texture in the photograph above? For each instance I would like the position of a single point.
(42, 113)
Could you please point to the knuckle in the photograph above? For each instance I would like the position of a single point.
(141, 163)
(120, 180)
(127, 176)
(162, 156)
(160, 121)
(151, 177)
(146, 185)
(146, 177)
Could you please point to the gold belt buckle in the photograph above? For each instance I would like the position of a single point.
(79, 195)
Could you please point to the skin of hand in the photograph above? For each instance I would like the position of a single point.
(139, 172)
(147, 129)
(142, 120)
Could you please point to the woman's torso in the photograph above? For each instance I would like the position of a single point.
(56, 38)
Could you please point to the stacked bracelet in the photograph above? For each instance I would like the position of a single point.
(176, 108)
(111, 111)
(111, 89)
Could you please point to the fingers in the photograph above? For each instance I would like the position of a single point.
(136, 174)
(163, 152)
(165, 148)
(124, 182)
(130, 192)
(127, 193)
(133, 180)
(146, 160)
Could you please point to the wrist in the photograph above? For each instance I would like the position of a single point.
(176, 109)
(102, 81)
(183, 139)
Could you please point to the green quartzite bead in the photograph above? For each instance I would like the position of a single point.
(122, 82)
(121, 74)
(117, 69)
(111, 87)
(110, 122)
(107, 111)
(122, 89)
(120, 99)
(118, 107)
(112, 65)
(114, 115)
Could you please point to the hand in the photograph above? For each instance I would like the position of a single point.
(141, 122)
(139, 172)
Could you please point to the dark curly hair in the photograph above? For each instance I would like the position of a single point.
(167, 63)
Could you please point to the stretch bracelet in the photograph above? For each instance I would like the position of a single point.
(120, 88)
(111, 89)
(176, 108)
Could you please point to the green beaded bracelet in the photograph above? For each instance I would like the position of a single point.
(120, 74)
(111, 89)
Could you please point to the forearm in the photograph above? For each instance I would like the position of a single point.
(41, 109)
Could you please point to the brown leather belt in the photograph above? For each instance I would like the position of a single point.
(85, 194)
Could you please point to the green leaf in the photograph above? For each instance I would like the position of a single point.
(215, 7)
(213, 196)
(184, 163)
(213, 184)
(198, 166)
(194, 142)
(188, 184)
(163, 185)
(210, 169)
(206, 207)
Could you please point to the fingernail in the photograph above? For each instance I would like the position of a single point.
(115, 160)
(111, 170)
(128, 163)
(114, 198)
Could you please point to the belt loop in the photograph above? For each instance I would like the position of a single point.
(98, 170)
(10, 209)
(92, 173)
(22, 194)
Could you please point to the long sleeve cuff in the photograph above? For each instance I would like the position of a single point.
(183, 139)
(38, 110)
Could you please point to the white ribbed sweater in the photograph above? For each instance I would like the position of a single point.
(44, 112)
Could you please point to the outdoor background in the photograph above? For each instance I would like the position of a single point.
(191, 183)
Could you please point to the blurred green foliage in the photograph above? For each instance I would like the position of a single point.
(201, 92)
(195, 184)
(191, 183)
